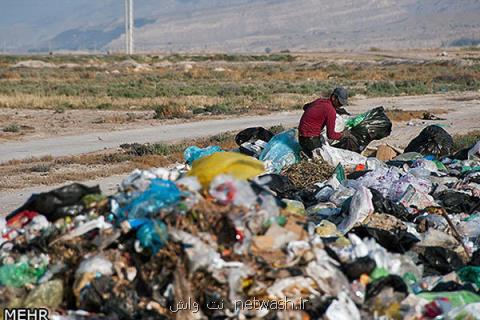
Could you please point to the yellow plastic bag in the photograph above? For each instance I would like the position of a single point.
(236, 164)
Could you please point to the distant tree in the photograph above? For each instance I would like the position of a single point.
(268, 50)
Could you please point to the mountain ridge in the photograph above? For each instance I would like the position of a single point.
(242, 25)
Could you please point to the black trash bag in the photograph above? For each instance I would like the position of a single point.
(374, 126)
(51, 203)
(462, 154)
(452, 286)
(456, 202)
(281, 185)
(475, 260)
(317, 306)
(383, 205)
(391, 281)
(399, 241)
(433, 140)
(357, 174)
(439, 261)
(253, 134)
(363, 265)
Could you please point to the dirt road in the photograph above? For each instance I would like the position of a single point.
(463, 116)
(89, 142)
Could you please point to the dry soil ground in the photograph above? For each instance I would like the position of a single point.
(461, 111)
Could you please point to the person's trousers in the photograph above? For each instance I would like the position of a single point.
(309, 144)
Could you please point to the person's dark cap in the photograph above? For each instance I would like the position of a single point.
(342, 95)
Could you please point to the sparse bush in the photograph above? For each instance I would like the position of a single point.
(59, 109)
(277, 129)
(41, 167)
(218, 109)
(12, 128)
(104, 106)
(170, 111)
(163, 149)
(462, 141)
(10, 75)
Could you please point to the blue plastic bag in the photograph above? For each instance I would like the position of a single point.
(281, 151)
(193, 153)
(160, 194)
(153, 235)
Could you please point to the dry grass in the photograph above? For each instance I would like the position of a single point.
(16, 174)
(462, 141)
(399, 115)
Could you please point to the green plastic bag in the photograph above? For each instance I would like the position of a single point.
(440, 165)
(456, 298)
(378, 273)
(340, 173)
(353, 122)
(470, 274)
(19, 274)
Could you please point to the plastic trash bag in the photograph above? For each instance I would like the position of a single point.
(375, 125)
(19, 274)
(363, 265)
(50, 203)
(160, 194)
(360, 208)
(474, 152)
(412, 198)
(470, 274)
(457, 299)
(457, 202)
(193, 153)
(238, 165)
(335, 156)
(253, 134)
(281, 151)
(399, 187)
(433, 140)
(228, 190)
(468, 311)
(97, 264)
(399, 241)
(439, 261)
(391, 281)
(279, 184)
(153, 235)
(383, 205)
(139, 180)
(342, 308)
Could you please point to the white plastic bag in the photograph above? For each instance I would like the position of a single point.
(335, 156)
(360, 208)
(228, 190)
(342, 308)
(474, 153)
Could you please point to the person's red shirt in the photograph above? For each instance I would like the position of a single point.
(319, 114)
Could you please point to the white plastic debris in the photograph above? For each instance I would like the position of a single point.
(342, 308)
(360, 208)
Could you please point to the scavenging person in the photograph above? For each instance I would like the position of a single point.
(319, 114)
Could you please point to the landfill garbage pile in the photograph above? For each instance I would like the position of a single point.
(230, 238)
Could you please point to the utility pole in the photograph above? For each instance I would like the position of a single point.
(129, 26)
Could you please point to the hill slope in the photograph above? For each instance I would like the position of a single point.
(242, 25)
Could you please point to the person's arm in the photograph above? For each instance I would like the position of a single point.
(331, 134)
